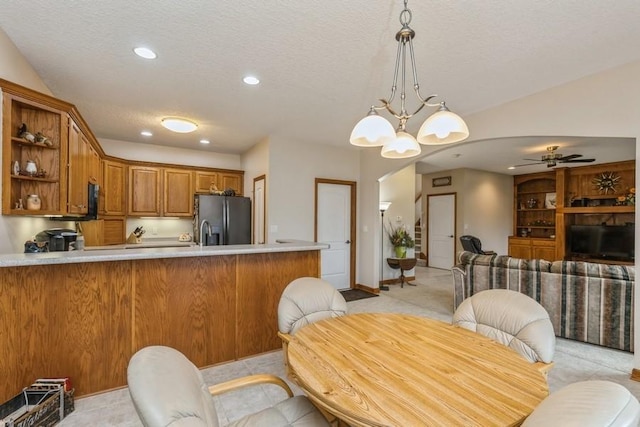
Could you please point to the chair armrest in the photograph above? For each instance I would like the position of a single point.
(488, 253)
(284, 337)
(544, 368)
(247, 381)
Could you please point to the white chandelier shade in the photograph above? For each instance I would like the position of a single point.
(372, 131)
(443, 127)
(402, 147)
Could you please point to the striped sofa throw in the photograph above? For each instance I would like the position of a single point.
(587, 302)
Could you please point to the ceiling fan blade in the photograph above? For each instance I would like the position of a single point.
(578, 161)
(569, 157)
(528, 164)
(535, 160)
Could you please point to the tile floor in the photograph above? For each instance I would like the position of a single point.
(432, 297)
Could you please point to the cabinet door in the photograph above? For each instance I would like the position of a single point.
(144, 191)
(178, 193)
(544, 249)
(94, 166)
(113, 191)
(77, 192)
(230, 180)
(520, 248)
(205, 181)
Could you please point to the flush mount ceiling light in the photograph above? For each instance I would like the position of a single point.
(145, 53)
(204, 141)
(146, 133)
(251, 80)
(442, 127)
(179, 125)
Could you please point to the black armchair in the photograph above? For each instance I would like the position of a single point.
(473, 244)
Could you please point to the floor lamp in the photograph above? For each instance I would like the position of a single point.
(383, 207)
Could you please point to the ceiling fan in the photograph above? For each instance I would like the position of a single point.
(553, 158)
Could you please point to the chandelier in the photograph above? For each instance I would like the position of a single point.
(442, 127)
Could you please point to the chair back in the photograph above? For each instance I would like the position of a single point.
(471, 244)
(167, 389)
(306, 300)
(511, 318)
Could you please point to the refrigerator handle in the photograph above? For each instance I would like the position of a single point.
(225, 223)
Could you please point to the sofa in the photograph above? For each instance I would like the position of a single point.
(586, 301)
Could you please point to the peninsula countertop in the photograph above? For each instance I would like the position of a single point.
(132, 251)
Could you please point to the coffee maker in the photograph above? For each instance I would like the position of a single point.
(58, 239)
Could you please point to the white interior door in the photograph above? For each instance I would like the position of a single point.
(259, 211)
(441, 211)
(334, 228)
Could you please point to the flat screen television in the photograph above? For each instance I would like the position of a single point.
(615, 242)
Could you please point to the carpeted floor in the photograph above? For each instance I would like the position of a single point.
(356, 294)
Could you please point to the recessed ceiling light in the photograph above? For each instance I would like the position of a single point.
(251, 80)
(204, 141)
(145, 53)
(146, 133)
(511, 167)
(179, 125)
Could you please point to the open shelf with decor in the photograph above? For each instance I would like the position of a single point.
(534, 211)
(31, 156)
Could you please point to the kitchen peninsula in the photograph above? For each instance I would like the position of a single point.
(84, 314)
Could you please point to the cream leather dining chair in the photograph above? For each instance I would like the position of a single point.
(513, 319)
(306, 300)
(167, 389)
(587, 404)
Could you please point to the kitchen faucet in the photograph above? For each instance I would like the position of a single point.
(204, 221)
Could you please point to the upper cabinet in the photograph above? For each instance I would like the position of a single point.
(207, 181)
(34, 149)
(78, 171)
(178, 193)
(113, 193)
(145, 190)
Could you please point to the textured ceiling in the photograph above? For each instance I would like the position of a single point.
(322, 63)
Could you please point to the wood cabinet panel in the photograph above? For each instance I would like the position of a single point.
(66, 321)
(204, 181)
(261, 280)
(86, 320)
(531, 248)
(114, 189)
(178, 193)
(230, 181)
(180, 303)
(78, 175)
(114, 230)
(144, 191)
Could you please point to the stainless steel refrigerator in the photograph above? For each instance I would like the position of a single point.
(223, 220)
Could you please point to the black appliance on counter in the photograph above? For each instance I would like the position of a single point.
(92, 207)
(227, 220)
(57, 239)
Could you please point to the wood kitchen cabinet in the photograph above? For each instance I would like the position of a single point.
(78, 175)
(145, 191)
(178, 193)
(205, 180)
(50, 181)
(114, 189)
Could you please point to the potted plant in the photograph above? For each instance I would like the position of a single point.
(400, 239)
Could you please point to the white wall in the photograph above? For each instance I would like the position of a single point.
(15, 68)
(293, 168)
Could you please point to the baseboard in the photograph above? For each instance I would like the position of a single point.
(635, 374)
(367, 288)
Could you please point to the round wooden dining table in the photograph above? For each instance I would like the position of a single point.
(384, 369)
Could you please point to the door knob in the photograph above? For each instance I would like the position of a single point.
(451, 236)
(348, 241)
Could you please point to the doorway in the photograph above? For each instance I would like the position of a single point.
(441, 220)
(335, 225)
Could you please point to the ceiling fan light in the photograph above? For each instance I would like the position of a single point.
(443, 127)
(402, 147)
(372, 131)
